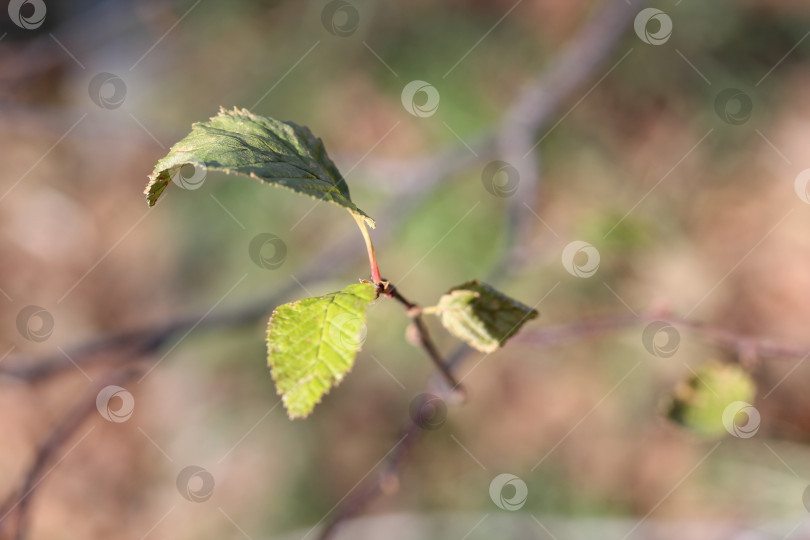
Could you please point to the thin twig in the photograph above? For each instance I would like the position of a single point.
(414, 311)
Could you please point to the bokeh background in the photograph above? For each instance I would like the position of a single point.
(689, 196)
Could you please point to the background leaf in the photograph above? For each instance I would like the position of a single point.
(481, 315)
(701, 402)
(311, 344)
(279, 153)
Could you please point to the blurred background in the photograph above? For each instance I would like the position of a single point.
(678, 160)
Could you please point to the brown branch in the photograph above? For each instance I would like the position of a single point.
(18, 504)
(513, 142)
(414, 311)
(386, 481)
(335, 257)
(131, 345)
(747, 348)
(533, 110)
(540, 103)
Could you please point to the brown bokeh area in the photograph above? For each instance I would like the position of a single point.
(694, 203)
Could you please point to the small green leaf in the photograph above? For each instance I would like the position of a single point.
(311, 344)
(482, 316)
(278, 153)
(709, 402)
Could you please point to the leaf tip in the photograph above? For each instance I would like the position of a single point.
(158, 181)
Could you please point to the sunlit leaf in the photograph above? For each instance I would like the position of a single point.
(312, 343)
(278, 153)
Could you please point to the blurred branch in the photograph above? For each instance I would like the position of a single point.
(334, 257)
(748, 350)
(386, 481)
(514, 141)
(534, 108)
(540, 103)
(531, 111)
(18, 503)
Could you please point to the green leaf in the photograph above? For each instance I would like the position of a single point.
(709, 402)
(480, 315)
(278, 153)
(311, 344)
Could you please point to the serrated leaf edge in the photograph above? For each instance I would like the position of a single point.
(162, 177)
(324, 328)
